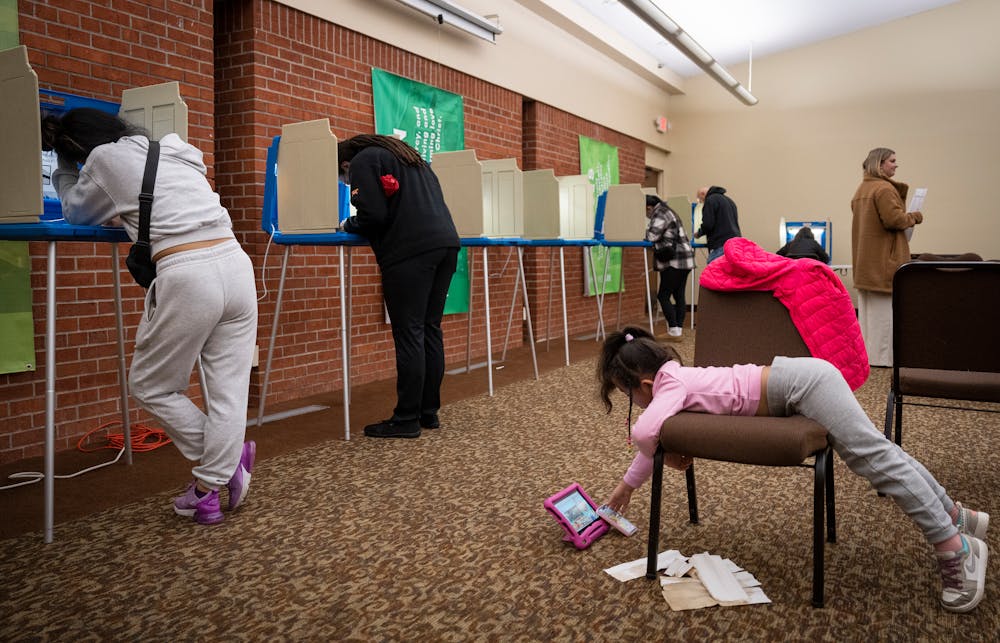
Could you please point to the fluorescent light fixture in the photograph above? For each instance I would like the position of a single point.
(693, 48)
(653, 16)
(446, 12)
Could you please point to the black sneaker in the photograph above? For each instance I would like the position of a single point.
(429, 421)
(393, 429)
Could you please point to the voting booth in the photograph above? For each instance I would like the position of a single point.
(308, 196)
(622, 213)
(486, 198)
(26, 192)
(557, 207)
(822, 232)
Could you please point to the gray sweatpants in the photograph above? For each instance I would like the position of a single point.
(202, 303)
(816, 389)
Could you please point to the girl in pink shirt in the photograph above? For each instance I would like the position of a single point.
(652, 377)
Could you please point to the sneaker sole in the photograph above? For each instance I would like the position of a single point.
(242, 496)
(250, 451)
(414, 434)
(982, 526)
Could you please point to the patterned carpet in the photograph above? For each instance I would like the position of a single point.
(444, 538)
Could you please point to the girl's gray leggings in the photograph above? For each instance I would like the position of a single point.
(816, 389)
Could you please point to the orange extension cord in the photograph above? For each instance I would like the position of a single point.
(144, 438)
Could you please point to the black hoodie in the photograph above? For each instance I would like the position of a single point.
(718, 218)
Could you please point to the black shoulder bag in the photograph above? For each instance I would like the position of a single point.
(140, 259)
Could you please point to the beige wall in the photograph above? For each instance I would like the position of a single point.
(617, 86)
(927, 86)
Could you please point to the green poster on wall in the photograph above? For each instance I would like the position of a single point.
(431, 120)
(428, 118)
(17, 331)
(599, 161)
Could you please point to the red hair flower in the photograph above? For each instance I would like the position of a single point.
(389, 184)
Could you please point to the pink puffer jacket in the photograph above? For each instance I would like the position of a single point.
(818, 303)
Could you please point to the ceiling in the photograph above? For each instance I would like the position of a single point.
(730, 29)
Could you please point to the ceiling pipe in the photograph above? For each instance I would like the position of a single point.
(662, 24)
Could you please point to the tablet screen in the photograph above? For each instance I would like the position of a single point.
(577, 511)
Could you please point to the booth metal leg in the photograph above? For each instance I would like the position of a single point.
(468, 336)
(562, 281)
(598, 296)
(345, 357)
(122, 373)
(548, 309)
(274, 334)
(350, 317)
(621, 288)
(513, 303)
(527, 308)
(649, 298)
(50, 391)
(489, 334)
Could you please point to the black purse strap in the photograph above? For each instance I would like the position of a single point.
(146, 194)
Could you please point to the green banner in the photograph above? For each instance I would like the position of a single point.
(599, 161)
(17, 332)
(431, 120)
(428, 118)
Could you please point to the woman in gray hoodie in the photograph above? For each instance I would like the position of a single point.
(202, 303)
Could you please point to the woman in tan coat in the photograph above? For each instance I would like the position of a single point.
(879, 245)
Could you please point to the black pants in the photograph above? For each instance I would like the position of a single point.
(673, 283)
(415, 292)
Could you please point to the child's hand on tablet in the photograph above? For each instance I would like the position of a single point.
(620, 497)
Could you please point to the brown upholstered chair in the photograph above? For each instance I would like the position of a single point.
(944, 336)
(741, 328)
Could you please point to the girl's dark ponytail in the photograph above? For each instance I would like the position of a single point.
(627, 357)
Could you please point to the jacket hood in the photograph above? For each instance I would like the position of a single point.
(715, 189)
(171, 145)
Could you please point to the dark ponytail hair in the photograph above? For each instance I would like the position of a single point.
(346, 150)
(76, 133)
(627, 357)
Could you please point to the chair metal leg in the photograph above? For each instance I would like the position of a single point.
(656, 494)
(831, 511)
(889, 401)
(692, 495)
(899, 420)
(819, 506)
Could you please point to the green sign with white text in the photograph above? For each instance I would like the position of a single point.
(599, 161)
(431, 120)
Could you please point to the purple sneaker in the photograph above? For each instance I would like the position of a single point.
(239, 484)
(205, 509)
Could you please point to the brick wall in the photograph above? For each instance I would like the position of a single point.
(551, 140)
(270, 65)
(276, 65)
(98, 49)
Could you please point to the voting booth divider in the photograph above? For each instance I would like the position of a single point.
(621, 222)
(31, 212)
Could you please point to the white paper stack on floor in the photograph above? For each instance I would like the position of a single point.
(704, 580)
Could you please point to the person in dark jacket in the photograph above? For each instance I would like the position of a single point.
(719, 221)
(402, 213)
(804, 246)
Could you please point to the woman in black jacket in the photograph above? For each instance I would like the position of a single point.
(402, 213)
(804, 245)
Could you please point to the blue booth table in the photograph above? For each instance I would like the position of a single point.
(53, 233)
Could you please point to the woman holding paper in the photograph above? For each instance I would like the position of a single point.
(879, 245)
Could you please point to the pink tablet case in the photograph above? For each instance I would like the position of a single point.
(581, 536)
